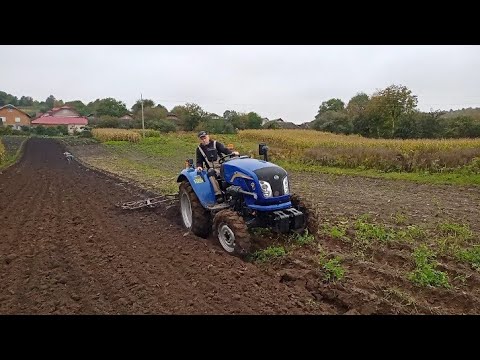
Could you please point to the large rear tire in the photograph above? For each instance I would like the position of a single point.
(194, 216)
(232, 232)
(306, 208)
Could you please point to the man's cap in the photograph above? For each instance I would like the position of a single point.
(202, 133)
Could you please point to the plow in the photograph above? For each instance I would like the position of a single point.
(168, 200)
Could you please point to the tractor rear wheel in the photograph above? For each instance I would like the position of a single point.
(302, 205)
(194, 215)
(232, 232)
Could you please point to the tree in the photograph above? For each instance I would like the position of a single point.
(365, 125)
(241, 121)
(161, 125)
(80, 107)
(161, 107)
(406, 127)
(331, 105)
(150, 113)
(462, 127)
(333, 121)
(147, 103)
(234, 119)
(58, 103)
(254, 120)
(194, 114)
(50, 101)
(108, 106)
(230, 115)
(392, 103)
(25, 101)
(180, 111)
(357, 105)
(8, 99)
(429, 125)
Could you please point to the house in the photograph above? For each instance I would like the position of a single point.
(64, 111)
(10, 115)
(62, 116)
(127, 117)
(280, 124)
(172, 116)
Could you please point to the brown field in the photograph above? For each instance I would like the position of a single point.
(67, 249)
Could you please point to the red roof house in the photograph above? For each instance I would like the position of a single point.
(65, 116)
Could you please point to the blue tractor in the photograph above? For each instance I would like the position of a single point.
(256, 194)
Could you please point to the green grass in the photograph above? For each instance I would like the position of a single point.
(412, 233)
(460, 231)
(333, 269)
(399, 218)
(269, 254)
(14, 147)
(338, 231)
(160, 147)
(471, 256)
(367, 232)
(452, 238)
(177, 147)
(302, 239)
(425, 272)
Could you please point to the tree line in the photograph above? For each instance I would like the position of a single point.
(392, 113)
(108, 111)
(388, 113)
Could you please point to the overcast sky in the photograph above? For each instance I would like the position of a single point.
(288, 82)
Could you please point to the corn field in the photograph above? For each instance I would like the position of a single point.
(353, 151)
(116, 135)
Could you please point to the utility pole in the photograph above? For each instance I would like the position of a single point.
(143, 122)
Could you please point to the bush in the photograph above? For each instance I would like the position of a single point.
(49, 131)
(2, 151)
(6, 130)
(39, 130)
(62, 130)
(85, 134)
(164, 126)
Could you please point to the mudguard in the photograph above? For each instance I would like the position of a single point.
(201, 185)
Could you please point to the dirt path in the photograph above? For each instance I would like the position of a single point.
(66, 249)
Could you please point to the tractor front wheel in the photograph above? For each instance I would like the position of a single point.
(232, 232)
(194, 215)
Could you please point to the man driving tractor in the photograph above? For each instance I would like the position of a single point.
(213, 167)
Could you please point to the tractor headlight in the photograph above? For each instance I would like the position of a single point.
(285, 186)
(266, 189)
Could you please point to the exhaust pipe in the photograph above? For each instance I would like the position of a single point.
(263, 150)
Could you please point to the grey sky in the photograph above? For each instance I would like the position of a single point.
(275, 81)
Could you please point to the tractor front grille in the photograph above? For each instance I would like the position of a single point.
(274, 175)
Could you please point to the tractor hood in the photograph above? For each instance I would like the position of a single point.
(243, 172)
(248, 164)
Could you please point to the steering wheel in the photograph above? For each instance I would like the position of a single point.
(226, 157)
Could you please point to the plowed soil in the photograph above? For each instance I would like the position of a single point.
(65, 248)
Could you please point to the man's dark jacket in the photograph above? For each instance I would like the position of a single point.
(221, 149)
